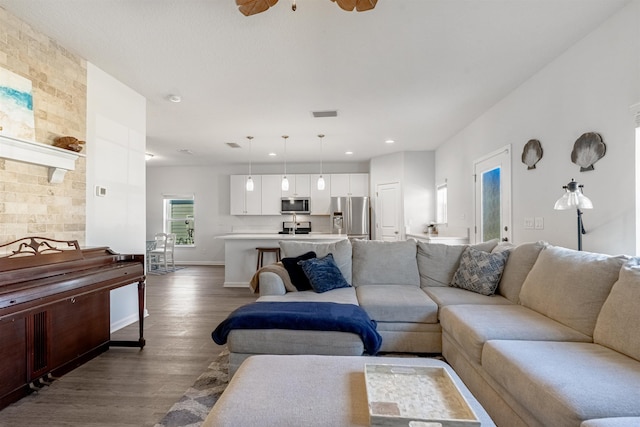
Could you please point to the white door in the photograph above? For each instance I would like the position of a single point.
(492, 174)
(389, 212)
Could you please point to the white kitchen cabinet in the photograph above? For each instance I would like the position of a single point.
(359, 184)
(243, 202)
(349, 184)
(298, 186)
(271, 194)
(320, 199)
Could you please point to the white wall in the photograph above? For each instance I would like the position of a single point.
(210, 185)
(116, 134)
(589, 88)
(414, 171)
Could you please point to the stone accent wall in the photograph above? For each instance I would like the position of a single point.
(29, 204)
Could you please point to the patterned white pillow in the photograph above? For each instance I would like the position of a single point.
(480, 271)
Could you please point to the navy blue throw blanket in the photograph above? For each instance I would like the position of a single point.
(314, 316)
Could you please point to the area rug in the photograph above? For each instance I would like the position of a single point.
(197, 401)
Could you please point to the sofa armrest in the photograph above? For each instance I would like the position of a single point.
(271, 284)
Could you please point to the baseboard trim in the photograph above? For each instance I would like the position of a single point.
(236, 285)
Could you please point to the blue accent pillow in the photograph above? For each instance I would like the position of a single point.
(323, 274)
(297, 276)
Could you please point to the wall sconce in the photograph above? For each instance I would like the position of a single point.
(573, 198)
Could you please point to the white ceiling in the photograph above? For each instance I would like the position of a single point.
(415, 71)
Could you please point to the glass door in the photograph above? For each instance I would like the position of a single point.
(492, 175)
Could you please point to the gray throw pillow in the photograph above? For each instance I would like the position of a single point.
(437, 262)
(480, 271)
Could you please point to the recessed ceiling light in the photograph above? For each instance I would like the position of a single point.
(348, 153)
(174, 98)
(272, 154)
(389, 141)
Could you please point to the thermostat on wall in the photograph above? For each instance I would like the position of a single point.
(101, 191)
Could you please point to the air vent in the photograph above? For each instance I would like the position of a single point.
(319, 114)
(233, 144)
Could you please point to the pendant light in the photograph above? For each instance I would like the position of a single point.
(249, 185)
(320, 178)
(285, 181)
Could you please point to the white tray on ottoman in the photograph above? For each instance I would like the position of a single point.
(402, 395)
(310, 391)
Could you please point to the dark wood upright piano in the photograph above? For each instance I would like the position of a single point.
(55, 309)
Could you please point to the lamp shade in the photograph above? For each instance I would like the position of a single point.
(249, 185)
(573, 198)
(321, 184)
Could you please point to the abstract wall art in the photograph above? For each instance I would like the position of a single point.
(16, 106)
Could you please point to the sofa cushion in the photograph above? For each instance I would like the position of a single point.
(471, 326)
(341, 296)
(323, 274)
(480, 271)
(341, 251)
(385, 263)
(397, 303)
(619, 319)
(297, 276)
(612, 422)
(520, 262)
(438, 262)
(570, 286)
(563, 383)
(453, 296)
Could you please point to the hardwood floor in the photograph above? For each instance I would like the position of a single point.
(132, 387)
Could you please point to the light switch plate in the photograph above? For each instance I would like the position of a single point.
(101, 191)
(528, 223)
(539, 223)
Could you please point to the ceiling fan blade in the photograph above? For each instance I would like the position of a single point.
(359, 5)
(363, 5)
(251, 7)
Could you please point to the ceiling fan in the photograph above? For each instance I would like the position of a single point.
(251, 7)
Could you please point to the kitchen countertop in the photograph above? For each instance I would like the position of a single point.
(276, 236)
(437, 237)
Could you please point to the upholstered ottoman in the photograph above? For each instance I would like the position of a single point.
(308, 390)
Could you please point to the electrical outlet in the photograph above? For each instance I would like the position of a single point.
(528, 223)
(539, 223)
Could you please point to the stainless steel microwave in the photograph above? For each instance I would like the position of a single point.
(298, 205)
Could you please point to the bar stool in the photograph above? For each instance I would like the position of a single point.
(261, 252)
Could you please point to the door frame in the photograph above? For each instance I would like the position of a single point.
(505, 195)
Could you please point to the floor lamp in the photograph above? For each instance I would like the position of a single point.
(573, 198)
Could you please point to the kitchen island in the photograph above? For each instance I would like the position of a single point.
(240, 252)
(431, 238)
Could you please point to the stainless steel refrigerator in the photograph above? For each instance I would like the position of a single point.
(350, 216)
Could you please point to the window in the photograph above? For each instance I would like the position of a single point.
(441, 204)
(179, 218)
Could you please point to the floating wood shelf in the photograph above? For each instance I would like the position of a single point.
(58, 160)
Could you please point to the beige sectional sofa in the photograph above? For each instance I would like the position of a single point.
(557, 345)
